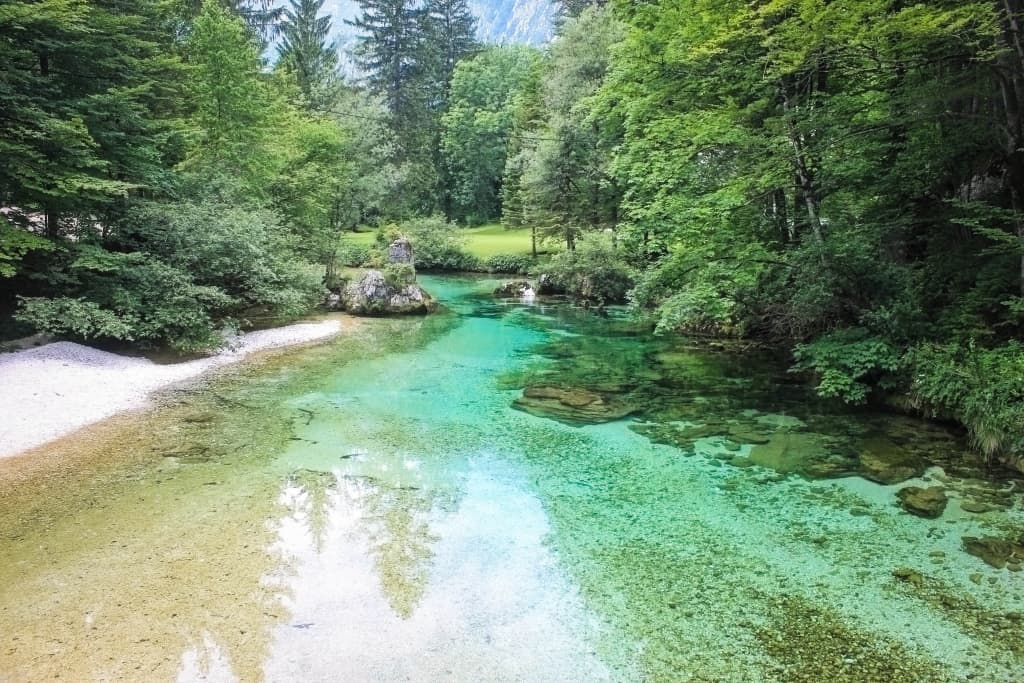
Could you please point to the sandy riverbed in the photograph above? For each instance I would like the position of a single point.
(52, 390)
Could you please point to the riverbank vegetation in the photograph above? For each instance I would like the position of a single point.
(845, 179)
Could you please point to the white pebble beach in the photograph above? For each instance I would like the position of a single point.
(52, 390)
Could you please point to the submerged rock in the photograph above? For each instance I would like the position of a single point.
(976, 507)
(924, 502)
(996, 552)
(372, 294)
(911, 576)
(806, 453)
(748, 434)
(682, 436)
(519, 289)
(573, 405)
(884, 462)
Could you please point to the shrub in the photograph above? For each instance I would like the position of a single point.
(354, 255)
(509, 264)
(174, 273)
(132, 297)
(399, 275)
(76, 317)
(593, 272)
(848, 363)
(244, 252)
(983, 388)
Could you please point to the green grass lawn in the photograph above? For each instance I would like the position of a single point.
(363, 238)
(483, 242)
(489, 240)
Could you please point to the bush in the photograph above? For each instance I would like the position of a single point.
(132, 297)
(354, 255)
(172, 274)
(399, 275)
(509, 264)
(982, 388)
(848, 363)
(593, 272)
(74, 317)
(244, 252)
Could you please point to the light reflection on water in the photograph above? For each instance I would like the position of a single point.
(394, 589)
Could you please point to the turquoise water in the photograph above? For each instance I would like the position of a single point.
(375, 509)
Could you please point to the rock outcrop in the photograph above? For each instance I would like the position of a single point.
(372, 294)
(393, 291)
(924, 502)
(400, 251)
(573, 405)
(547, 284)
(519, 289)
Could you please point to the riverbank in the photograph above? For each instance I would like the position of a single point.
(55, 389)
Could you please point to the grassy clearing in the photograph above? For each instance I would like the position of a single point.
(482, 242)
(362, 238)
(489, 240)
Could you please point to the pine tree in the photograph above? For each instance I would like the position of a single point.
(391, 52)
(451, 30)
(262, 17)
(307, 53)
(87, 94)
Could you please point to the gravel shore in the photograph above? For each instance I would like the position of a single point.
(52, 390)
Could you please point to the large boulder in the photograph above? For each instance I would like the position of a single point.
(400, 251)
(373, 294)
(547, 284)
(572, 405)
(519, 289)
(927, 502)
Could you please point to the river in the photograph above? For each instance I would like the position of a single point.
(376, 508)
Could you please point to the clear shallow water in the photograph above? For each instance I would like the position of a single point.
(375, 510)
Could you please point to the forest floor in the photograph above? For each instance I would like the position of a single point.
(52, 390)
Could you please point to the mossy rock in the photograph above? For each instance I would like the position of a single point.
(791, 452)
(884, 462)
(927, 502)
(995, 552)
(572, 405)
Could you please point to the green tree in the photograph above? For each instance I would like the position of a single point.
(391, 53)
(450, 29)
(87, 102)
(307, 53)
(565, 181)
(477, 127)
(237, 113)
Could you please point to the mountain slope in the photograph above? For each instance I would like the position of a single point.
(514, 21)
(500, 21)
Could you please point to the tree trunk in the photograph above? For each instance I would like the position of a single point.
(804, 174)
(52, 223)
